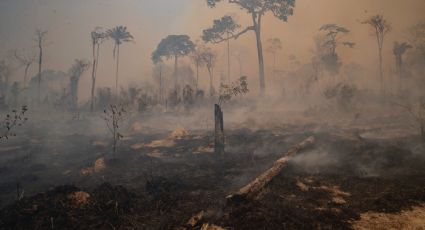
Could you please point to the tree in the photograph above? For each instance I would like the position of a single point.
(120, 35)
(159, 78)
(222, 30)
(75, 73)
(329, 44)
(399, 50)
(274, 46)
(173, 46)
(198, 61)
(417, 34)
(281, 9)
(5, 72)
(41, 40)
(209, 57)
(25, 59)
(227, 91)
(380, 27)
(416, 58)
(97, 38)
(15, 90)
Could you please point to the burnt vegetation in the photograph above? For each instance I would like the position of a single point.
(178, 139)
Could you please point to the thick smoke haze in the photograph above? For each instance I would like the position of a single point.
(70, 22)
(212, 114)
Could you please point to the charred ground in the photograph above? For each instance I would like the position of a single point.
(161, 178)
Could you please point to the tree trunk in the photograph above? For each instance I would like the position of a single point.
(160, 84)
(117, 70)
(219, 131)
(381, 72)
(74, 92)
(257, 29)
(240, 67)
(400, 72)
(26, 75)
(228, 59)
(210, 71)
(175, 72)
(93, 76)
(261, 181)
(197, 75)
(274, 66)
(40, 62)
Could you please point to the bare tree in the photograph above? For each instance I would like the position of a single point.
(11, 121)
(381, 27)
(98, 36)
(41, 40)
(281, 9)
(25, 59)
(113, 116)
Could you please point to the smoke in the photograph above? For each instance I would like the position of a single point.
(70, 22)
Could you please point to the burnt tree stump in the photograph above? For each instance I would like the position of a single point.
(219, 130)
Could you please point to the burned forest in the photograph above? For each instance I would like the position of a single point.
(212, 114)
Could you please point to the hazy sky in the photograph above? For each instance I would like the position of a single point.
(69, 23)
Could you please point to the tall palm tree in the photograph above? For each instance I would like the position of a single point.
(97, 38)
(380, 27)
(120, 35)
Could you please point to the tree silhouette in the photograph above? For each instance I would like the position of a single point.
(380, 27)
(416, 57)
(5, 72)
(222, 30)
(75, 73)
(417, 34)
(197, 59)
(25, 59)
(274, 45)
(399, 50)
(41, 40)
(120, 35)
(209, 57)
(173, 46)
(98, 36)
(281, 9)
(329, 44)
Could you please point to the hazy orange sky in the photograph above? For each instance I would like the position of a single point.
(69, 23)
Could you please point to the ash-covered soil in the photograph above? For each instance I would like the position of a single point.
(159, 179)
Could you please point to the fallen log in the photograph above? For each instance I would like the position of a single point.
(261, 181)
(257, 184)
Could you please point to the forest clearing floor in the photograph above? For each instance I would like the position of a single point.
(354, 177)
